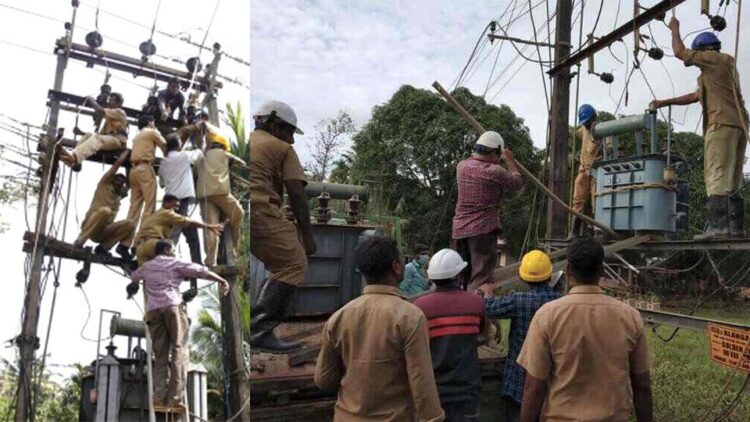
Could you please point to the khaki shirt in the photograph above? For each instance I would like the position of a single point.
(586, 345)
(590, 148)
(212, 170)
(376, 351)
(105, 196)
(212, 134)
(115, 122)
(145, 143)
(717, 85)
(272, 162)
(159, 224)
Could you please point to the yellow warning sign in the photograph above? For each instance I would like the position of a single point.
(727, 346)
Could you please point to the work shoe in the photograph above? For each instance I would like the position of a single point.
(124, 252)
(718, 222)
(269, 310)
(100, 250)
(736, 216)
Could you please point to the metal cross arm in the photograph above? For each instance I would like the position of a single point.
(656, 12)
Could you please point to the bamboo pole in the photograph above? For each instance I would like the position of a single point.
(480, 129)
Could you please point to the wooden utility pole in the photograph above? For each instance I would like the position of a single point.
(559, 110)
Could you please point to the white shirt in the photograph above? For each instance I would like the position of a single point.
(175, 174)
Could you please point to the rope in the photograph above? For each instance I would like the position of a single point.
(653, 185)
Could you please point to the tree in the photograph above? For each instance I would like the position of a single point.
(206, 343)
(342, 168)
(236, 121)
(329, 137)
(413, 144)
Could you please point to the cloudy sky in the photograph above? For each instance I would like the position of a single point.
(320, 56)
(326, 55)
(26, 41)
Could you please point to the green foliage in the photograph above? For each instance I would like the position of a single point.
(236, 121)
(206, 342)
(57, 402)
(413, 143)
(341, 172)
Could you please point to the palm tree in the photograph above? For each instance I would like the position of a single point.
(236, 121)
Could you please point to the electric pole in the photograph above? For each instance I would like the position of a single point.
(559, 110)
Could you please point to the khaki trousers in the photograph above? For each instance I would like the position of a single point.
(584, 190)
(274, 241)
(91, 143)
(142, 195)
(146, 250)
(212, 208)
(100, 228)
(169, 335)
(724, 156)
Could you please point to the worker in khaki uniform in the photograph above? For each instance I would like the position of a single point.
(725, 122)
(99, 224)
(159, 225)
(215, 196)
(376, 349)
(112, 137)
(196, 132)
(584, 186)
(273, 239)
(586, 354)
(142, 175)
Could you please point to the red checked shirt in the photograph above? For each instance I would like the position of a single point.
(480, 190)
(162, 277)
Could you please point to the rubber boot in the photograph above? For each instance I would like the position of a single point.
(575, 232)
(718, 221)
(736, 216)
(269, 311)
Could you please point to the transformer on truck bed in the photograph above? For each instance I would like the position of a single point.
(331, 281)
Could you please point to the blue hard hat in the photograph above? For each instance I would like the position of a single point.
(585, 113)
(705, 39)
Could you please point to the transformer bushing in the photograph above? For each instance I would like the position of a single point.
(323, 212)
(353, 209)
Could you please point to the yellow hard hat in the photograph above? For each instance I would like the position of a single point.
(535, 267)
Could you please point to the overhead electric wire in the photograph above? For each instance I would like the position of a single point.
(457, 81)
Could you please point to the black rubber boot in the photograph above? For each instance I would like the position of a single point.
(575, 232)
(736, 216)
(99, 250)
(124, 252)
(268, 313)
(718, 221)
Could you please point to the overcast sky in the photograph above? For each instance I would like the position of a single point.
(26, 77)
(320, 57)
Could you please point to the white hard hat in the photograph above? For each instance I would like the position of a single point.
(491, 139)
(282, 110)
(445, 264)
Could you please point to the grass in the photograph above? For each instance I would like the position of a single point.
(686, 383)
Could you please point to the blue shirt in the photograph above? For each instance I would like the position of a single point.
(520, 309)
(414, 281)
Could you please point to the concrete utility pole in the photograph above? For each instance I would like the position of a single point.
(237, 381)
(557, 219)
(28, 341)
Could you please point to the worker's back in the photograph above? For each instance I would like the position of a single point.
(586, 345)
(274, 161)
(213, 174)
(454, 318)
(373, 335)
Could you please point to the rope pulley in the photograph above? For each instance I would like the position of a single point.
(94, 39)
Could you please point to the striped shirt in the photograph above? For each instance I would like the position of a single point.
(454, 318)
(162, 277)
